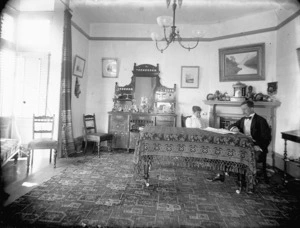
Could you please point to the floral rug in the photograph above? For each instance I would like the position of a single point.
(104, 192)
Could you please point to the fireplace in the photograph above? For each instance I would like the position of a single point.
(223, 113)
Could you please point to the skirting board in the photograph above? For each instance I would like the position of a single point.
(293, 168)
(78, 143)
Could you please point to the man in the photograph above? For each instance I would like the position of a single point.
(257, 128)
(195, 120)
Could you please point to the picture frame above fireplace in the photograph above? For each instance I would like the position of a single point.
(242, 63)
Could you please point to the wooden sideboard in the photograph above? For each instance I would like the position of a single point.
(120, 125)
(143, 102)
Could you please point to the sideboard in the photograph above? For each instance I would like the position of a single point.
(143, 102)
(125, 126)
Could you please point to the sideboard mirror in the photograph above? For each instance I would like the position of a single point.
(143, 94)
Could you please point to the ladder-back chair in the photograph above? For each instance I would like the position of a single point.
(43, 127)
(91, 134)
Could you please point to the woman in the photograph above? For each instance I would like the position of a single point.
(195, 121)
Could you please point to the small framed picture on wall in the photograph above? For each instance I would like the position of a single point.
(189, 77)
(110, 67)
(79, 64)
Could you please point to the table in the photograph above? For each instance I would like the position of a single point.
(191, 147)
(293, 136)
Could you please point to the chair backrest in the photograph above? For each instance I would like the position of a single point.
(183, 119)
(43, 125)
(89, 123)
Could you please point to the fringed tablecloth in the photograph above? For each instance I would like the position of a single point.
(191, 147)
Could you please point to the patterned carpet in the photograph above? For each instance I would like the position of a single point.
(104, 192)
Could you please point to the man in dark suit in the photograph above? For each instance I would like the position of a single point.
(257, 128)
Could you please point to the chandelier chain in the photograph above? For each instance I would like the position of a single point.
(174, 35)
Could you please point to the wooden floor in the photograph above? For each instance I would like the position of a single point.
(17, 181)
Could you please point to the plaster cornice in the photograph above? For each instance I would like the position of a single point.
(253, 32)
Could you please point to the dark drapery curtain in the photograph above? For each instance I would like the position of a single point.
(67, 139)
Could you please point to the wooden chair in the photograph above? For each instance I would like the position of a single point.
(183, 119)
(91, 134)
(42, 125)
(134, 131)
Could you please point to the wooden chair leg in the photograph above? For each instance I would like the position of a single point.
(98, 148)
(50, 156)
(16, 158)
(93, 147)
(109, 145)
(32, 153)
(85, 146)
(55, 155)
(28, 159)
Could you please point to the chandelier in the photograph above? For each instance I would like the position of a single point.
(166, 22)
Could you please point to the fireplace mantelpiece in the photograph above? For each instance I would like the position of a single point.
(214, 113)
(231, 110)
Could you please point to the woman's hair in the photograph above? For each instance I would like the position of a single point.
(196, 108)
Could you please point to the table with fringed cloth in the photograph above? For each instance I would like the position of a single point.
(192, 147)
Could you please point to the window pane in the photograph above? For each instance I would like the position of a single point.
(8, 28)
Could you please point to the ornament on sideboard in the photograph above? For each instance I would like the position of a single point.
(144, 107)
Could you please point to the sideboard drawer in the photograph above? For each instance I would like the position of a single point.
(165, 121)
(119, 123)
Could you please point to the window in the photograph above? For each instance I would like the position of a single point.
(32, 87)
(8, 28)
(7, 62)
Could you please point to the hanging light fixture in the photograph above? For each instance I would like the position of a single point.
(166, 22)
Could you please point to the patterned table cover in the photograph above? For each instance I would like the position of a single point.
(191, 147)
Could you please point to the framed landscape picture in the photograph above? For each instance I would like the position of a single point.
(189, 77)
(79, 64)
(242, 63)
(110, 68)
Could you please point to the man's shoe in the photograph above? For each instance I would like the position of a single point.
(218, 177)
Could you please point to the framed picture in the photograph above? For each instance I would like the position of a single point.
(242, 63)
(79, 64)
(189, 77)
(110, 68)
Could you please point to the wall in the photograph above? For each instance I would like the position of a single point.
(280, 65)
(288, 77)
(101, 90)
(80, 46)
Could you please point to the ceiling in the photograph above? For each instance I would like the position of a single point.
(191, 12)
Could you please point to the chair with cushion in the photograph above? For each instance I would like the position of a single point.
(43, 127)
(91, 134)
(183, 119)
